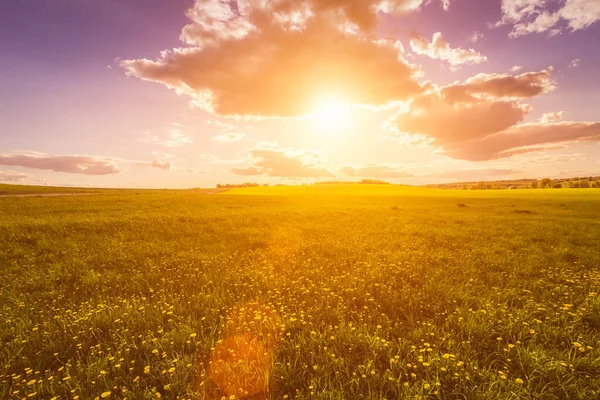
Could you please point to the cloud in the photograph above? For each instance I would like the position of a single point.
(483, 105)
(516, 68)
(500, 86)
(439, 49)
(12, 176)
(574, 63)
(525, 138)
(86, 165)
(476, 37)
(538, 16)
(551, 117)
(162, 164)
(275, 58)
(174, 137)
(432, 116)
(280, 163)
(229, 137)
(375, 171)
(481, 119)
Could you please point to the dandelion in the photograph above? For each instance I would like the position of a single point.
(519, 381)
(105, 395)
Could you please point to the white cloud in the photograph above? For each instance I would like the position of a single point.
(476, 37)
(537, 16)
(552, 117)
(440, 49)
(574, 63)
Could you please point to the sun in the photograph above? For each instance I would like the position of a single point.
(331, 115)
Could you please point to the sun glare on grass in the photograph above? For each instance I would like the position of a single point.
(332, 115)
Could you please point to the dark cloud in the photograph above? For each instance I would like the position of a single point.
(499, 87)
(524, 139)
(432, 116)
(481, 118)
(86, 165)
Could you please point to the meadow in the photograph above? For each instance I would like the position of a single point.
(311, 292)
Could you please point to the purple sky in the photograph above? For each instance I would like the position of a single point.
(297, 101)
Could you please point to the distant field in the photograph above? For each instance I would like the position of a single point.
(25, 189)
(310, 292)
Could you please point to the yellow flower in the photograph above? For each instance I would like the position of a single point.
(105, 395)
(519, 381)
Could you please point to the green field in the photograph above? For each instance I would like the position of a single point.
(311, 292)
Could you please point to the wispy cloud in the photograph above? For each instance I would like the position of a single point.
(12, 176)
(173, 138)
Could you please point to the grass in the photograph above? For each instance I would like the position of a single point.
(314, 292)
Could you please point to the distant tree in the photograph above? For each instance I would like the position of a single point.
(546, 183)
(373, 182)
(479, 186)
(584, 184)
(534, 185)
(513, 187)
(237, 185)
(596, 185)
(557, 186)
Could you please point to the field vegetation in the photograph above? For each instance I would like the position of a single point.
(311, 292)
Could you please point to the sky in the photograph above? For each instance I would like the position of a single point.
(184, 93)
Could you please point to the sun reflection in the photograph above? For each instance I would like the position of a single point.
(241, 363)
